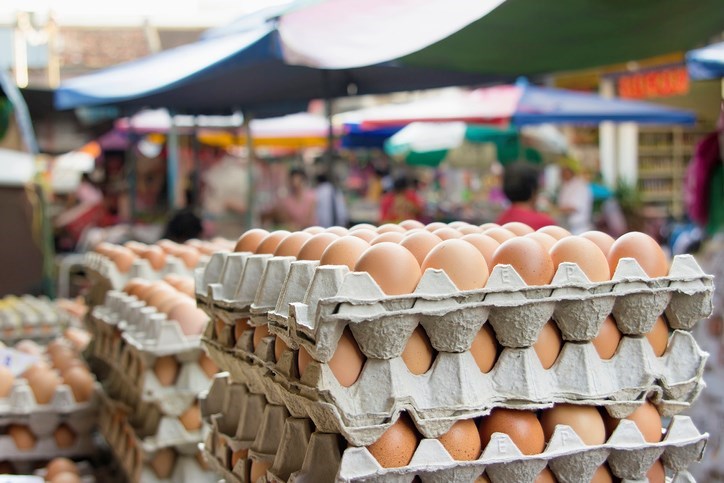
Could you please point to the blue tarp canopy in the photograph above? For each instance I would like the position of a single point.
(706, 63)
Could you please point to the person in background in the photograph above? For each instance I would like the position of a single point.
(520, 185)
(400, 203)
(575, 198)
(297, 210)
(331, 206)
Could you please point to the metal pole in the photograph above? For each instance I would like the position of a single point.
(196, 179)
(172, 163)
(251, 156)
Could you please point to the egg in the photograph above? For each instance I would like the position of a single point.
(528, 258)
(608, 338)
(420, 243)
(434, 226)
(123, 258)
(22, 437)
(462, 441)
(315, 246)
(518, 228)
(188, 255)
(65, 477)
(348, 360)
(647, 419)
(545, 476)
(259, 469)
(167, 245)
(303, 360)
(499, 234)
(169, 303)
(166, 368)
(484, 348)
(163, 462)
(485, 245)
(313, 230)
(604, 241)
(260, 331)
(162, 295)
(250, 240)
(79, 338)
(461, 261)
(485, 226)
(28, 347)
(522, 427)
(43, 383)
(458, 224)
(290, 246)
(394, 449)
(657, 473)
(546, 241)
(392, 266)
(391, 227)
(388, 237)
(64, 436)
(81, 383)
(191, 418)
(156, 257)
(240, 326)
(344, 251)
(337, 230)
(60, 465)
(585, 254)
(602, 475)
(644, 249)
(586, 421)
(658, 336)
(411, 224)
(104, 248)
(418, 354)
(270, 242)
(366, 235)
(191, 319)
(6, 381)
(208, 365)
(239, 454)
(447, 233)
(469, 229)
(482, 479)
(555, 231)
(363, 226)
(549, 344)
(279, 347)
(135, 286)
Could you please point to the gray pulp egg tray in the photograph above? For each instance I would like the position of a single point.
(34, 318)
(46, 448)
(300, 451)
(103, 268)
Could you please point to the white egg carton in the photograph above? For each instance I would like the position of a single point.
(46, 448)
(104, 268)
(300, 453)
(28, 317)
(85, 471)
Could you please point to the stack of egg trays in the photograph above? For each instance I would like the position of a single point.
(35, 318)
(300, 452)
(103, 269)
(85, 471)
(134, 452)
(314, 305)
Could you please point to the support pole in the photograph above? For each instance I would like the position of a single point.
(172, 159)
(251, 156)
(607, 140)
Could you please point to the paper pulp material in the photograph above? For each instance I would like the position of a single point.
(46, 448)
(28, 317)
(101, 267)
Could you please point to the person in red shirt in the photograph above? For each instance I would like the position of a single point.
(520, 185)
(401, 203)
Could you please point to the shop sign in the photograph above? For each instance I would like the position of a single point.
(673, 81)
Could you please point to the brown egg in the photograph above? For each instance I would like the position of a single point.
(389, 237)
(485, 226)
(337, 230)
(303, 360)
(366, 235)
(462, 441)
(484, 348)
(23, 438)
(123, 258)
(79, 338)
(191, 319)
(135, 286)
(545, 476)
(315, 246)
(250, 240)
(602, 475)
(604, 241)
(499, 234)
(164, 461)
(187, 287)
(40, 366)
(240, 326)
(648, 420)
(344, 251)
(657, 473)
(239, 454)
(6, 381)
(447, 233)
(392, 266)
(104, 248)
(188, 255)
(65, 477)
(166, 369)
(279, 347)
(348, 360)
(546, 241)
(585, 254)
(270, 242)
(81, 383)
(658, 336)
(167, 245)
(391, 227)
(469, 230)
(260, 331)
(313, 230)
(485, 245)
(528, 258)
(363, 226)
(549, 344)
(396, 446)
(259, 469)
(644, 249)
(411, 224)
(522, 427)
(420, 243)
(43, 382)
(169, 303)
(482, 479)
(458, 224)
(418, 354)
(290, 246)
(431, 227)
(162, 295)
(191, 418)
(461, 261)
(555, 231)
(64, 436)
(608, 338)
(586, 421)
(518, 228)
(156, 257)
(60, 465)
(208, 365)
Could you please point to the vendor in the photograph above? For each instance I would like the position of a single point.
(520, 185)
(575, 198)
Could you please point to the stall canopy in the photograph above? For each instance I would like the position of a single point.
(706, 63)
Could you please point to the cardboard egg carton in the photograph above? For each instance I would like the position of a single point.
(28, 317)
(102, 267)
(46, 448)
